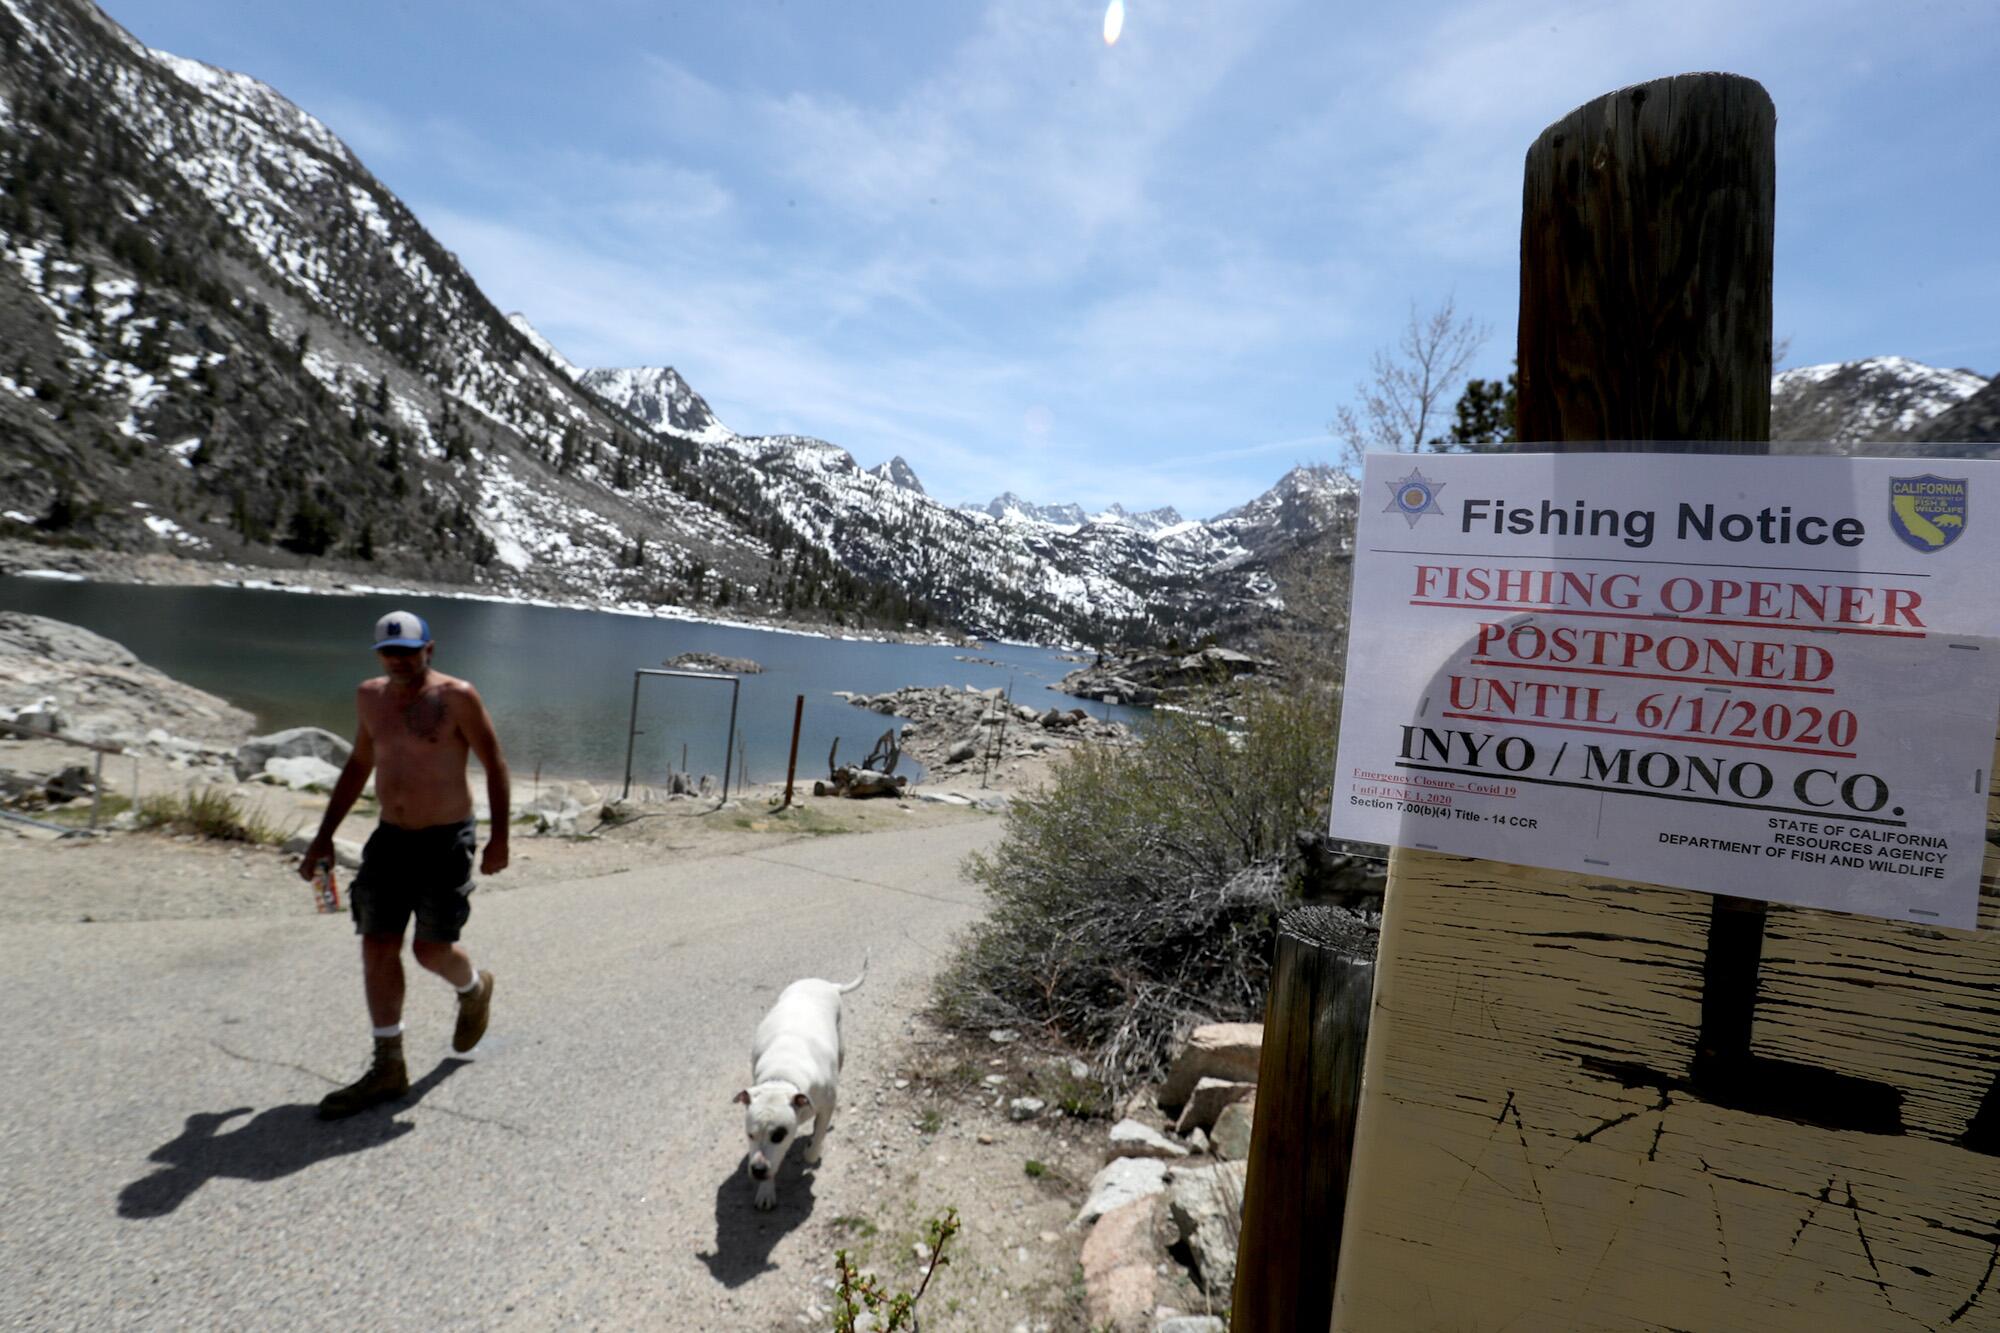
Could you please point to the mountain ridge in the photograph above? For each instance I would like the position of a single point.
(227, 340)
(1872, 401)
(231, 341)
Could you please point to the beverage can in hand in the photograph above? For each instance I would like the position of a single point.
(326, 889)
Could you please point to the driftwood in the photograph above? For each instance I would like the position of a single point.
(871, 777)
(860, 783)
(882, 759)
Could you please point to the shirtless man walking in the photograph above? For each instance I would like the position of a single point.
(416, 726)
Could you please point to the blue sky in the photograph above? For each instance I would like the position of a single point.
(972, 234)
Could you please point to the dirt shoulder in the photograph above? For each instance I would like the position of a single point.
(125, 874)
(928, 1130)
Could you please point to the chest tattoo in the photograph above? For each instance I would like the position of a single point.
(423, 716)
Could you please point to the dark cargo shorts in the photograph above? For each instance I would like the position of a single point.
(425, 871)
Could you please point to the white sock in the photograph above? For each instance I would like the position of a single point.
(471, 985)
(393, 1030)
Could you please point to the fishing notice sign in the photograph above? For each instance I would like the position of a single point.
(1770, 677)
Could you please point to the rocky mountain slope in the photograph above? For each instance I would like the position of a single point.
(659, 398)
(222, 337)
(1860, 405)
(1973, 419)
(1098, 581)
(1010, 507)
(226, 339)
(898, 472)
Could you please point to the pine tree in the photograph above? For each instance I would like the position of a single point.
(311, 529)
(1486, 413)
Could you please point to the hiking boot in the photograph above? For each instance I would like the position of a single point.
(386, 1080)
(473, 1007)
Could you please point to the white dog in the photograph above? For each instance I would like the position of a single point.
(794, 1077)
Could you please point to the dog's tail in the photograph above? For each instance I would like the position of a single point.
(856, 983)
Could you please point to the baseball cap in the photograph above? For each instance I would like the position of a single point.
(401, 629)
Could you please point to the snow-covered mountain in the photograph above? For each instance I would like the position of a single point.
(544, 346)
(1011, 508)
(660, 399)
(1850, 403)
(898, 473)
(1018, 568)
(1146, 520)
(1096, 581)
(225, 337)
(1972, 420)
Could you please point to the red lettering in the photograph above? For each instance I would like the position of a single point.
(1901, 602)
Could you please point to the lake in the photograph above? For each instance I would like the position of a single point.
(558, 681)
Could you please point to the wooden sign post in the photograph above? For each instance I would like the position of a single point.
(1615, 1106)
(1308, 1088)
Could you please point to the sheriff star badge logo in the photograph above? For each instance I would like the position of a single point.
(1414, 496)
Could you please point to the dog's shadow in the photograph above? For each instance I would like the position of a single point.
(271, 1145)
(744, 1237)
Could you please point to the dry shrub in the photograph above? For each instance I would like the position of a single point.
(210, 812)
(1138, 893)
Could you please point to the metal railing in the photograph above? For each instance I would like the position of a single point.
(97, 776)
(632, 725)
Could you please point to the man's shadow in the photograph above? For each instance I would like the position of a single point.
(744, 1237)
(274, 1144)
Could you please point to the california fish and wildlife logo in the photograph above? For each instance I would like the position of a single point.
(1928, 512)
(1415, 496)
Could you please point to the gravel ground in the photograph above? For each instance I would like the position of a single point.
(144, 876)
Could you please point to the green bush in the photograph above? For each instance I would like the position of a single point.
(1137, 894)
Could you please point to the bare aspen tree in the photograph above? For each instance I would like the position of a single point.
(1308, 641)
(1403, 405)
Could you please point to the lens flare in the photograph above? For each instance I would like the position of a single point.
(1114, 21)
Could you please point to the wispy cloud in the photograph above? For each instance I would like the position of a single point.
(1146, 273)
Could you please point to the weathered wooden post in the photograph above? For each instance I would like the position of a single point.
(1647, 248)
(1308, 1089)
(1645, 322)
(792, 764)
(1598, 1104)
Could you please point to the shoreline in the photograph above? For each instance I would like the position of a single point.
(18, 559)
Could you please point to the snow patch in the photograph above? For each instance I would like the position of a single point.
(168, 530)
(544, 346)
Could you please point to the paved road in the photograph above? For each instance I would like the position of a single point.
(160, 1163)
